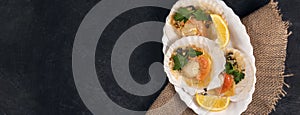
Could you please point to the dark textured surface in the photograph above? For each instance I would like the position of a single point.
(36, 38)
(244, 7)
(289, 104)
(147, 53)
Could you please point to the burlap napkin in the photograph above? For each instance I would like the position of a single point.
(268, 33)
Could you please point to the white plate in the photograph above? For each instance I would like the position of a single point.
(239, 40)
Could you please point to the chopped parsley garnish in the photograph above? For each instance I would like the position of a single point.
(179, 61)
(181, 58)
(200, 15)
(179, 17)
(194, 53)
(238, 76)
(183, 14)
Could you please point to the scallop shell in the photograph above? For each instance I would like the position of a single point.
(210, 47)
(170, 31)
(244, 86)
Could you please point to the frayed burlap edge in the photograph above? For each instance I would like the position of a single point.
(280, 92)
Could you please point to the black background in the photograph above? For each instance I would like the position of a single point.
(36, 39)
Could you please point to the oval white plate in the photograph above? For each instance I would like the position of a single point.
(239, 40)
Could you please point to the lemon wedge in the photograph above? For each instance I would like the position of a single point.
(212, 103)
(222, 29)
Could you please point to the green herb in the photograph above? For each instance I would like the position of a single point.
(238, 76)
(228, 67)
(200, 15)
(183, 14)
(179, 61)
(193, 53)
(180, 17)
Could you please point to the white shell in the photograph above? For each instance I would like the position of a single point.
(245, 85)
(169, 30)
(239, 40)
(210, 47)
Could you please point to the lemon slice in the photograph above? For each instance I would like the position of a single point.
(212, 103)
(221, 28)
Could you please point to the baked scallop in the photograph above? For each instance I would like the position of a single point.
(236, 76)
(192, 18)
(192, 62)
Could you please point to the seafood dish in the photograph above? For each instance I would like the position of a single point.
(208, 57)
